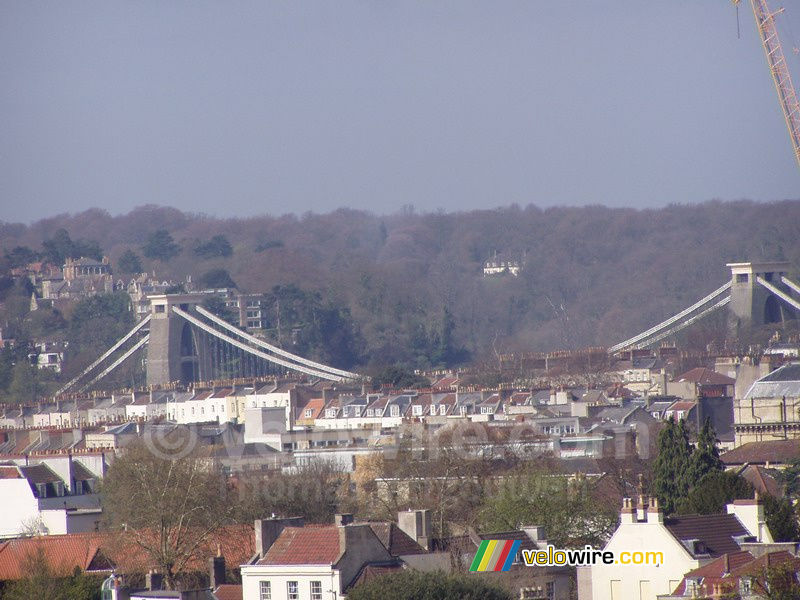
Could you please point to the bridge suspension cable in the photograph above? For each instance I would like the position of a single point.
(685, 323)
(785, 297)
(234, 342)
(658, 328)
(117, 362)
(791, 284)
(274, 349)
(105, 355)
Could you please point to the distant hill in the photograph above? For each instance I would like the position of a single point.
(411, 286)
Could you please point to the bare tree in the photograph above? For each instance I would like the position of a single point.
(167, 498)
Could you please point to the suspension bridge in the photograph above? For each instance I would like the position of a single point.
(757, 294)
(186, 343)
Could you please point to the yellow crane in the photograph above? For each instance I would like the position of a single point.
(765, 20)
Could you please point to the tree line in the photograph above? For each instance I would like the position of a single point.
(408, 288)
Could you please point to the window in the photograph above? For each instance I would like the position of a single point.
(160, 308)
(309, 412)
(330, 413)
(370, 412)
(292, 592)
(741, 278)
(550, 590)
(443, 410)
(394, 411)
(416, 410)
(487, 410)
(316, 590)
(265, 590)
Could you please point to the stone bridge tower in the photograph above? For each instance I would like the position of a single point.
(175, 351)
(752, 305)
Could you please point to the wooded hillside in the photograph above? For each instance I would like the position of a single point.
(409, 287)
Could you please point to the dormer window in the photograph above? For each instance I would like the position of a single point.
(487, 410)
(330, 413)
(745, 586)
(394, 410)
(416, 410)
(370, 412)
(309, 413)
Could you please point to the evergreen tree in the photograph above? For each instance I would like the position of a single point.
(710, 495)
(129, 262)
(161, 246)
(671, 465)
(705, 458)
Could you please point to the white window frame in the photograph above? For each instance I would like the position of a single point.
(316, 590)
(394, 410)
(264, 590)
(292, 590)
(416, 410)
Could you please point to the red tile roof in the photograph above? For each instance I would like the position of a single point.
(715, 571)
(763, 480)
(304, 546)
(9, 472)
(705, 376)
(228, 591)
(62, 552)
(97, 551)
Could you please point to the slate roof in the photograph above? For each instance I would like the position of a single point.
(304, 546)
(371, 572)
(770, 451)
(784, 373)
(39, 474)
(395, 540)
(81, 473)
(526, 543)
(716, 531)
(784, 381)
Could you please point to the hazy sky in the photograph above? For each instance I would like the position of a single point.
(246, 107)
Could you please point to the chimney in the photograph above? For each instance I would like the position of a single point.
(654, 514)
(536, 534)
(417, 525)
(154, 581)
(217, 569)
(751, 515)
(342, 519)
(268, 530)
(628, 512)
(641, 509)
